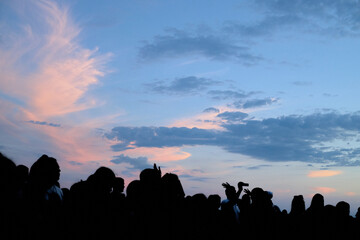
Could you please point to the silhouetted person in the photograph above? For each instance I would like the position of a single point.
(91, 200)
(7, 179)
(118, 213)
(357, 215)
(297, 206)
(296, 220)
(171, 189)
(344, 222)
(21, 181)
(134, 211)
(261, 215)
(214, 229)
(315, 216)
(150, 179)
(44, 176)
(214, 201)
(45, 197)
(118, 187)
(317, 204)
(230, 211)
(7, 193)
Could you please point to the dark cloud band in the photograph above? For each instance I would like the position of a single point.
(290, 138)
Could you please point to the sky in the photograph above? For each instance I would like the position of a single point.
(259, 91)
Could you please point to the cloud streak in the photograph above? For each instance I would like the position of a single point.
(176, 43)
(323, 173)
(44, 123)
(325, 190)
(186, 85)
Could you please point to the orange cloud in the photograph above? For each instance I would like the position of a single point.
(323, 173)
(350, 194)
(325, 190)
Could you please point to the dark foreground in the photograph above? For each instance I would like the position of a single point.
(34, 206)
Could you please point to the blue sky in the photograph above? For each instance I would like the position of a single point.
(259, 91)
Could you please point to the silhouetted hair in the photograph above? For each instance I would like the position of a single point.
(104, 178)
(171, 186)
(317, 202)
(297, 205)
(214, 201)
(45, 171)
(343, 209)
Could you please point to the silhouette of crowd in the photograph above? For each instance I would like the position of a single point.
(34, 206)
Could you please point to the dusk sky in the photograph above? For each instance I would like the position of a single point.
(259, 91)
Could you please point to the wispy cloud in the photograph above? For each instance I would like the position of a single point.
(44, 123)
(258, 166)
(211, 110)
(233, 116)
(57, 72)
(323, 173)
(254, 103)
(46, 76)
(302, 83)
(264, 27)
(228, 94)
(177, 43)
(186, 85)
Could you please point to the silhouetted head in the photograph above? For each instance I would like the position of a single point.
(329, 212)
(245, 200)
(357, 215)
(7, 168)
(150, 179)
(214, 201)
(342, 209)
(172, 187)
(297, 205)
(230, 192)
(134, 190)
(199, 200)
(119, 184)
(7, 173)
(150, 176)
(45, 171)
(258, 196)
(22, 173)
(104, 179)
(317, 202)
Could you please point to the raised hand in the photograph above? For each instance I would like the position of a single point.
(157, 169)
(247, 191)
(226, 185)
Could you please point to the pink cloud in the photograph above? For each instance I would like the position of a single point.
(351, 194)
(325, 190)
(323, 173)
(46, 75)
(45, 66)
